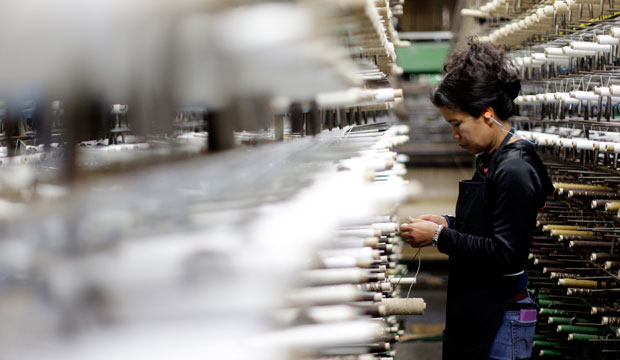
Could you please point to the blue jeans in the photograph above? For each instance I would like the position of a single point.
(515, 338)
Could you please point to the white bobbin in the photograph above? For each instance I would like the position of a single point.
(584, 95)
(567, 50)
(615, 90)
(554, 51)
(589, 46)
(607, 40)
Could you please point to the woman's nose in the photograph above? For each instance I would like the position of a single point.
(455, 135)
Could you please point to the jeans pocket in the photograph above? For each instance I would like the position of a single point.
(523, 338)
(502, 346)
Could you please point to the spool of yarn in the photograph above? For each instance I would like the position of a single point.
(324, 314)
(571, 232)
(567, 50)
(377, 287)
(583, 144)
(605, 310)
(561, 7)
(614, 90)
(554, 51)
(532, 99)
(560, 227)
(581, 337)
(363, 252)
(584, 95)
(549, 97)
(577, 329)
(361, 233)
(355, 242)
(565, 143)
(602, 90)
(385, 228)
(584, 284)
(612, 206)
(608, 320)
(333, 334)
(569, 101)
(330, 295)
(342, 261)
(559, 59)
(339, 276)
(384, 95)
(409, 306)
(562, 95)
(602, 146)
(607, 40)
(558, 185)
(403, 280)
(590, 46)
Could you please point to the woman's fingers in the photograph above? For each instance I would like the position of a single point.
(428, 217)
(436, 219)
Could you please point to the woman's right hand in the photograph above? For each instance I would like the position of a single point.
(437, 219)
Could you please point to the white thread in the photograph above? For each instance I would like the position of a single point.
(415, 277)
(362, 233)
(327, 295)
(589, 46)
(577, 53)
(334, 276)
(602, 90)
(403, 281)
(323, 335)
(583, 144)
(509, 132)
(554, 51)
(584, 95)
(515, 274)
(386, 227)
(614, 90)
(607, 40)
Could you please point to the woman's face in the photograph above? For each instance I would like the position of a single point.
(473, 134)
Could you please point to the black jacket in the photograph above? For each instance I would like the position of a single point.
(496, 215)
(516, 188)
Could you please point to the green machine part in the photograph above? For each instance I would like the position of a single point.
(422, 58)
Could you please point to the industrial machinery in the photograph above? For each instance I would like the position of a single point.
(200, 180)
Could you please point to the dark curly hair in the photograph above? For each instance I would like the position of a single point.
(480, 76)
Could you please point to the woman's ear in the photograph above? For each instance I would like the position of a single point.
(488, 115)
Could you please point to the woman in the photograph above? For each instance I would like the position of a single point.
(489, 313)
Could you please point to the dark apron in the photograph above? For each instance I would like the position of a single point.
(475, 304)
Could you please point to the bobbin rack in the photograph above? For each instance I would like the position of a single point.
(201, 180)
(567, 54)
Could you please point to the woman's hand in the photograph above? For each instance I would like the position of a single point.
(418, 233)
(437, 219)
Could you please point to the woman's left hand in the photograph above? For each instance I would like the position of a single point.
(418, 233)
